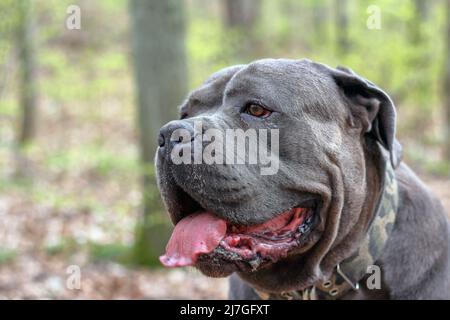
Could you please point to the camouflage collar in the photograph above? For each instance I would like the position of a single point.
(350, 271)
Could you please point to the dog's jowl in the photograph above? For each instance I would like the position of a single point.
(305, 211)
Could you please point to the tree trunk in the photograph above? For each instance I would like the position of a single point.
(342, 23)
(421, 14)
(158, 34)
(446, 88)
(319, 17)
(419, 61)
(27, 76)
(241, 13)
(320, 22)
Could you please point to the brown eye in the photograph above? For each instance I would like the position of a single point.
(256, 110)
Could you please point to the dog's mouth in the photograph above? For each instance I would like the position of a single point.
(205, 236)
(271, 240)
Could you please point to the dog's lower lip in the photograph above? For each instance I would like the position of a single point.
(253, 243)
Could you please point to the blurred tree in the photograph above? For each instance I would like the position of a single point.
(421, 13)
(25, 41)
(8, 23)
(446, 88)
(319, 20)
(158, 32)
(241, 13)
(342, 23)
(240, 17)
(418, 62)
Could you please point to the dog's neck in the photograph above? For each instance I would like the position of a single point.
(348, 273)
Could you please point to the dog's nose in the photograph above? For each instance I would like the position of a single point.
(168, 135)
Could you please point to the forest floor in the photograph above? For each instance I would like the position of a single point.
(29, 272)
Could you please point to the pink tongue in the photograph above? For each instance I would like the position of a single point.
(196, 234)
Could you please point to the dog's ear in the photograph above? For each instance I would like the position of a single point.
(373, 107)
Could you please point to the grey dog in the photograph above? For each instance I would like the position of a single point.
(337, 141)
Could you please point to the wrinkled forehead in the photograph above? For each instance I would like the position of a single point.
(209, 95)
(282, 84)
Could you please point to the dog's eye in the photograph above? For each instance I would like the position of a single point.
(256, 110)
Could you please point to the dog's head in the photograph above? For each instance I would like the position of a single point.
(288, 226)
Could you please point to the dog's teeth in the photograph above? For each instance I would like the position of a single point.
(234, 241)
(255, 263)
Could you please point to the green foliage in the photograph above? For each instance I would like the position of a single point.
(57, 248)
(439, 168)
(209, 48)
(110, 252)
(155, 232)
(8, 107)
(94, 158)
(6, 255)
(9, 20)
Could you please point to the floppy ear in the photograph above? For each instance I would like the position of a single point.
(373, 107)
